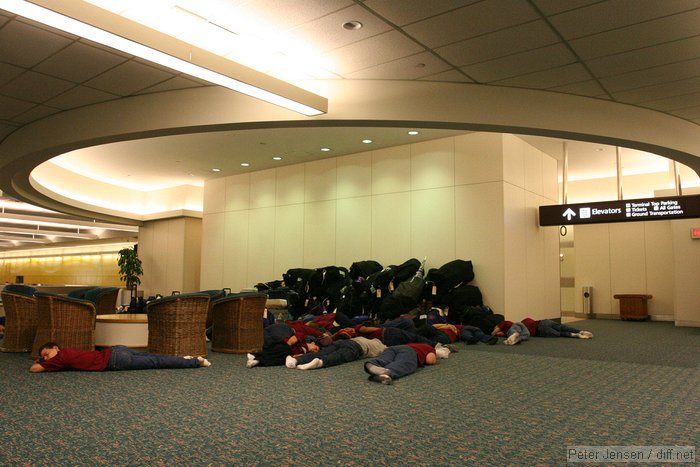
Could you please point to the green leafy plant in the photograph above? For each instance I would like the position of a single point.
(129, 269)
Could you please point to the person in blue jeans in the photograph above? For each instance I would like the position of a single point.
(472, 335)
(402, 360)
(521, 331)
(118, 357)
(337, 353)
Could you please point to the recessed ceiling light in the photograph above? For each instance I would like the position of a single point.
(367, 141)
(325, 149)
(216, 169)
(413, 132)
(352, 25)
(276, 158)
(245, 164)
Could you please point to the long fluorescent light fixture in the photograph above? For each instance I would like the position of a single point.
(68, 24)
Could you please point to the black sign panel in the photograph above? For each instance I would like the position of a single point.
(628, 210)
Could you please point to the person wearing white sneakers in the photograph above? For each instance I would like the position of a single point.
(521, 331)
(115, 358)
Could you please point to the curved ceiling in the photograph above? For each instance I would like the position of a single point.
(607, 72)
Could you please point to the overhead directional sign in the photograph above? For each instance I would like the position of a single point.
(628, 210)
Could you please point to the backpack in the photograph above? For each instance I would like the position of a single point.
(450, 275)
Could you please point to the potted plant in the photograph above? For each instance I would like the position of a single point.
(129, 269)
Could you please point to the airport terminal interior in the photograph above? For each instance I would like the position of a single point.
(553, 145)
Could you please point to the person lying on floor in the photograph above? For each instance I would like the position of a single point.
(281, 340)
(398, 331)
(339, 352)
(522, 330)
(402, 360)
(118, 357)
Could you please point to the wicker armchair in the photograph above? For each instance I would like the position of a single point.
(238, 323)
(67, 321)
(213, 295)
(104, 298)
(20, 318)
(176, 324)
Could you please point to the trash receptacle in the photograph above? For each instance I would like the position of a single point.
(587, 295)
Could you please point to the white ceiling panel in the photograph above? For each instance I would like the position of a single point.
(128, 78)
(8, 72)
(10, 107)
(409, 11)
(551, 78)
(36, 87)
(519, 64)
(667, 29)
(676, 103)
(471, 21)
(79, 62)
(412, 67)
(78, 97)
(605, 16)
(552, 7)
(24, 45)
(659, 91)
(498, 44)
(371, 52)
(647, 57)
(652, 76)
(327, 33)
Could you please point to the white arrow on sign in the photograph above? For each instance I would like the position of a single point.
(568, 213)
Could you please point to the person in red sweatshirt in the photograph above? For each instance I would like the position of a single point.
(402, 360)
(118, 357)
(522, 330)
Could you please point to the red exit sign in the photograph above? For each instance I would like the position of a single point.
(694, 233)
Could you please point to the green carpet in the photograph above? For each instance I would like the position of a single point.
(633, 384)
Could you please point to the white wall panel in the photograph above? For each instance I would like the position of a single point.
(319, 234)
(391, 170)
(535, 261)
(236, 250)
(514, 160)
(290, 184)
(627, 259)
(532, 165)
(238, 192)
(432, 164)
(289, 238)
(262, 189)
(215, 196)
(659, 270)
(321, 180)
(353, 230)
(355, 175)
(593, 266)
(213, 229)
(550, 185)
(261, 237)
(478, 158)
(175, 249)
(479, 237)
(391, 228)
(433, 225)
(515, 251)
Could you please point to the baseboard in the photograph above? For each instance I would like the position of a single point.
(688, 324)
(661, 317)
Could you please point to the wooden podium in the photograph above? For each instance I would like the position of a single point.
(633, 306)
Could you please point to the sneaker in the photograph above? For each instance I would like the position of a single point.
(375, 370)
(513, 339)
(312, 365)
(384, 379)
(290, 362)
(585, 335)
(250, 356)
(203, 362)
(251, 363)
(442, 352)
(452, 348)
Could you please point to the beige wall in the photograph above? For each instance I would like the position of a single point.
(88, 269)
(170, 252)
(472, 197)
(658, 258)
